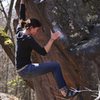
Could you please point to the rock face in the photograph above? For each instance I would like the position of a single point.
(4, 96)
(79, 51)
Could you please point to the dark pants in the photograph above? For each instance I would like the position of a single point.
(32, 70)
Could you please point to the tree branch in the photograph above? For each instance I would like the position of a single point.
(8, 18)
(7, 45)
(3, 10)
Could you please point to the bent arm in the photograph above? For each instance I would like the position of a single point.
(35, 46)
(43, 50)
(54, 36)
(47, 47)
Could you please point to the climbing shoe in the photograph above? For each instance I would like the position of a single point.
(68, 93)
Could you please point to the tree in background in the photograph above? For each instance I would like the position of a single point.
(78, 53)
(10, 81)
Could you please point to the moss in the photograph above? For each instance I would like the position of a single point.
(5, 37)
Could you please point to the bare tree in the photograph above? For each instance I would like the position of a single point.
(5, 40)
(8, 18)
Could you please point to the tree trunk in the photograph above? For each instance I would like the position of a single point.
(7, 45)
(80, 60)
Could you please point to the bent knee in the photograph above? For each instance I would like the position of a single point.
(56, 64)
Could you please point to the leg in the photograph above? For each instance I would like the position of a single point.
(31, 71)
(54, 67)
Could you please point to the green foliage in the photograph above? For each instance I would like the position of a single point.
(6, 38)
(15, 83)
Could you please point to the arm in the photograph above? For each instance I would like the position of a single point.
(54, 36)
(43, 50)
(35, 46)
(22, 16)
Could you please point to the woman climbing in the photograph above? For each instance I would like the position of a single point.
(26, 30)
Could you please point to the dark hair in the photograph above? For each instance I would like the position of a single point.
(31, 22)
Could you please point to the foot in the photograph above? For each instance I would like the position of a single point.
(68, 93)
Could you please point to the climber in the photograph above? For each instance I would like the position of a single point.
(25, 32)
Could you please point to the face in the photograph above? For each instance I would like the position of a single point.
(35, 31)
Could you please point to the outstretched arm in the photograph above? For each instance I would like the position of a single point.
(22, 15)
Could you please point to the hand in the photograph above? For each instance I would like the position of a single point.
(55, 35)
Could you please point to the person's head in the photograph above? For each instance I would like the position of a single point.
(33, 26)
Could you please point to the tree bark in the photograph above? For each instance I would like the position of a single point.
(80, 62)
(8, 18)
(7, 45)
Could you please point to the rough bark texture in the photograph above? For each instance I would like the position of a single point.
(79, 58)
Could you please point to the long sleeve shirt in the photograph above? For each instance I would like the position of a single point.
(25, 45)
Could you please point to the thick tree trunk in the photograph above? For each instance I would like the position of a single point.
(79, 62)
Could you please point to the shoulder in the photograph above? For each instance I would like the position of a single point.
(18, 29)
(21, 35)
